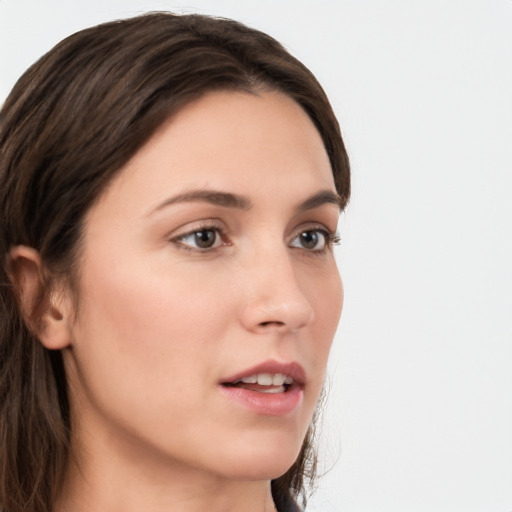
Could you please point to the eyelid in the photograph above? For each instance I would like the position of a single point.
(191, 228)
(176, 238)
(314, 226)
(331, 236)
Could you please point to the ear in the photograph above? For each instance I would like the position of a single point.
(46, 310)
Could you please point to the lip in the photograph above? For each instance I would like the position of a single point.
(268, 404)
(292, 369)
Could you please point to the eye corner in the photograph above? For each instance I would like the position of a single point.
(335, 239)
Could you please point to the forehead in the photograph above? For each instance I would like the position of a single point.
(232, 141)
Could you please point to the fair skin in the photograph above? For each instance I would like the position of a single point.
(166, 317)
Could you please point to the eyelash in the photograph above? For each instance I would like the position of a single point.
(207, 226)
(330, 239)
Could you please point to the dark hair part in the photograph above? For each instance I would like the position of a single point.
(69, 125)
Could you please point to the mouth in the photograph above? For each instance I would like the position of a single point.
(272, 388)
(264, 383)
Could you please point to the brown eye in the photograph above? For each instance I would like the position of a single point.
(311, 240)
(203, 239)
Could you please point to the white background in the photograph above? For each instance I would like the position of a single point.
(420, 404)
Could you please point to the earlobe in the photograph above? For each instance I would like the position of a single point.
(45, 310)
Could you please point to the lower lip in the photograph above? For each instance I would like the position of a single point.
(269, 404)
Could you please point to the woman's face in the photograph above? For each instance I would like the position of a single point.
(207, 260)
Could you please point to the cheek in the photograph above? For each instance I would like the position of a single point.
(325, 294)
(145, 332)
(328, 301)
(144, 356)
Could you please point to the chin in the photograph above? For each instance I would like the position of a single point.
(266, 458)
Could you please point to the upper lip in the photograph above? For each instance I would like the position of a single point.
(291, 369)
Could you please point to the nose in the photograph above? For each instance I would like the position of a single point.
(274, 300)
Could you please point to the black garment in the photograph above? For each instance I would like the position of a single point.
(287, 505)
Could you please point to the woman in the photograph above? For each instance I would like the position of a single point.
(170, 188)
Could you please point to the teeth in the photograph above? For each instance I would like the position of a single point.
(264, 379)
(267, 379)
(278, 379)
(250, 380)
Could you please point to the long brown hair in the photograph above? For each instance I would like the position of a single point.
(69, 125)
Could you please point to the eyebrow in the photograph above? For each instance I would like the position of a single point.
(230, 200)
(321, 198)
(217, 198)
